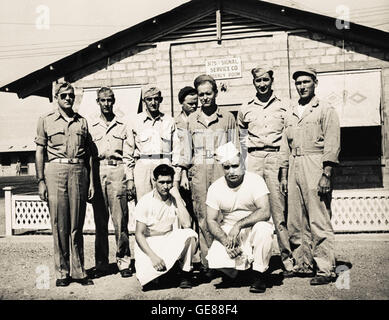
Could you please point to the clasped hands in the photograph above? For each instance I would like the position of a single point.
(232, 243)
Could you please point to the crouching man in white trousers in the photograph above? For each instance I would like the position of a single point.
(238, 217)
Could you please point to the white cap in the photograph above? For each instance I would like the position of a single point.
(226, 152)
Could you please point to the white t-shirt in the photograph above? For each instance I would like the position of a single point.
(301, 109)
(156, 214)
(236, 203)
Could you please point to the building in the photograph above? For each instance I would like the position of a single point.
(11, 154)
(226, 38)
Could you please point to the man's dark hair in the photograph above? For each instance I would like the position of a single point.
(186, 91)
(163, 170)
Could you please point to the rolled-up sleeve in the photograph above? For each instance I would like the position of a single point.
(331, 136)
(41, 136)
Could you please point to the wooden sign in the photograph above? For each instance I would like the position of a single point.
(225, 68)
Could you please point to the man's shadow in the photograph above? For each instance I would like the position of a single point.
(275, 263)
(112, 269)
(169, 280)
(247, 277)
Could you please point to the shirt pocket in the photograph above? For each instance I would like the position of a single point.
(254, 122)
(117, 142)
(311, 133)
(56, 136)
(80, 137)
(143, 137)
(198, 139)
(277, 122)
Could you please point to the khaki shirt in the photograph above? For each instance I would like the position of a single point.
(181, 120)
(204, 135)
(111, 143)
(61, 138)
(261, 124)
(316, 132)
(150, 136)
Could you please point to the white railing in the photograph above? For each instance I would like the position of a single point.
(353, 211)
(30, 213)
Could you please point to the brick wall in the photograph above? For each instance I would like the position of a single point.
(189, 61)
(151, 65)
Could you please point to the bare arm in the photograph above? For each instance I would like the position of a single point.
(219, 234)
(140, 238)
(214, 227)
(262, 213)
(39, 168)
(182, 213)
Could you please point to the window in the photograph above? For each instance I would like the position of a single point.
(127, 100)
(356, 95)
(5, 160)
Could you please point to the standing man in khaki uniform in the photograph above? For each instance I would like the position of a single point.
(261, 122)
(64, 141)
(153, 140)
(208, 128)
(309, 150)
(112, 165)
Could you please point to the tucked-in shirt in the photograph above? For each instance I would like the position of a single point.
(260, 123)
(236, 203)
(63, 138)
(156, 214)
(205, 134)
(111, 141)
(149, 136)
(316, 132)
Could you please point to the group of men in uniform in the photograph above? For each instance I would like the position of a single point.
(227, 180)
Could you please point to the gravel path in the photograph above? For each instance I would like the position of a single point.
(21, 255)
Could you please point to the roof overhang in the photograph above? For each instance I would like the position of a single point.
(40, 82)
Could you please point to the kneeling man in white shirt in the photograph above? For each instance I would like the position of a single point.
(163, 235)
(238, 217)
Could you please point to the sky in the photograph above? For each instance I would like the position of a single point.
(34, 33)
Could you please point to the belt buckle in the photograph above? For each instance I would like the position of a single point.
(111, 162)
(298, 152)
(72, 161)
(208, 154)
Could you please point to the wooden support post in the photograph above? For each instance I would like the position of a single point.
(219, 23)
(8, 210)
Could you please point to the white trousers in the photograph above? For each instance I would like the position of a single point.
(256, 245)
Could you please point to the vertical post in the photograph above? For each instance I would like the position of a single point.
(218, 22)
(8, 210)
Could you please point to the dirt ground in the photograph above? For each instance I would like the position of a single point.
(22, 258)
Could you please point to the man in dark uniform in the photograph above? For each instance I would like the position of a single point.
(63, 141)
(112, 163)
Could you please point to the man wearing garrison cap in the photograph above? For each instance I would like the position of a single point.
(309, 149)
(153, 140)
(261, 122)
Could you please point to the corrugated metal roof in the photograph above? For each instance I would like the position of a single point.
(17, 147)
